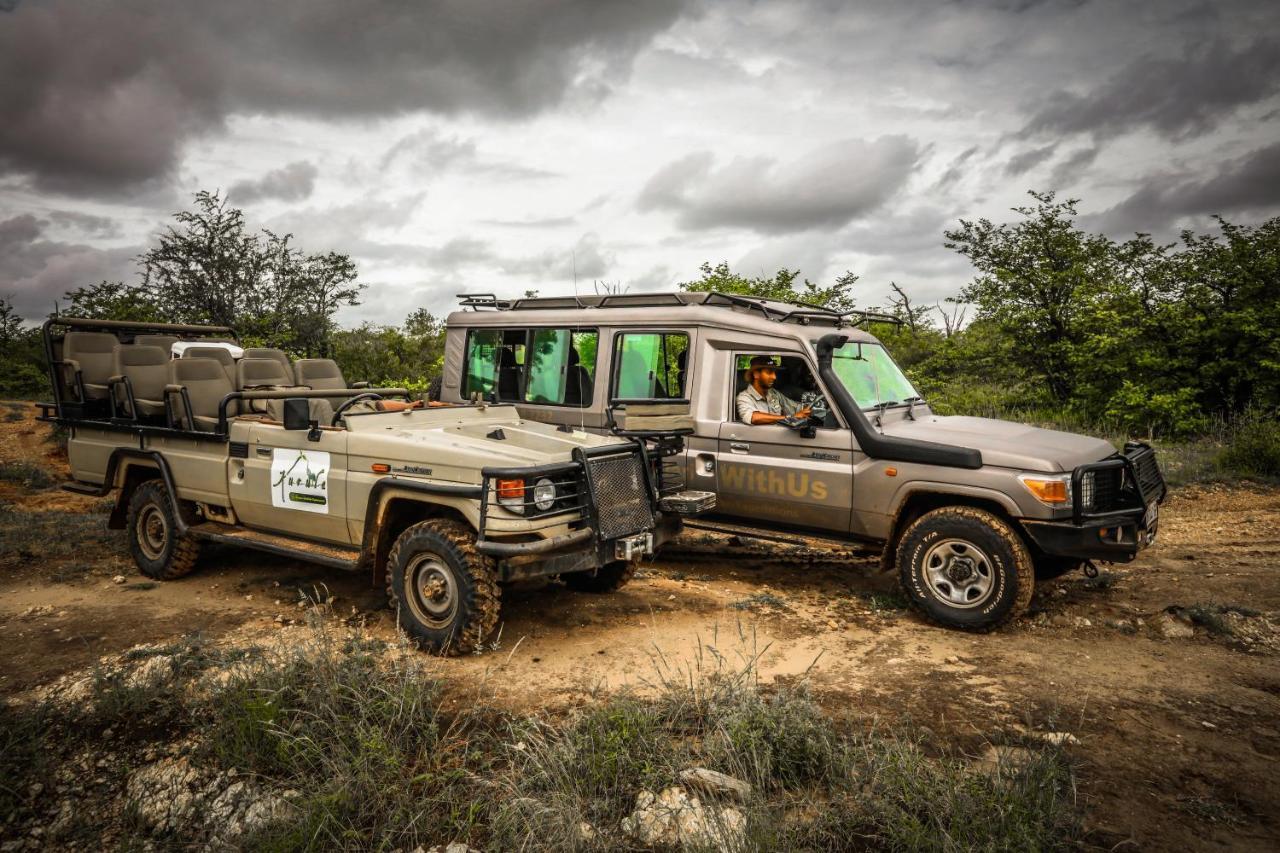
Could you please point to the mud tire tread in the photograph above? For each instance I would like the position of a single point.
(485, 601)
(1023, 568)
(184, 551)
(610, 577)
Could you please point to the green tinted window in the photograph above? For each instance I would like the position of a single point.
(482, 362)
(870, 375)
(651, 366)
(562, 367)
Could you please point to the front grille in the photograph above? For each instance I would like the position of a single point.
(1119, 483)
(621, 495)
(1106, 486)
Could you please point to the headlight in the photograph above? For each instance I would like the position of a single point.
(544, 494)
(1087, 484)
(1054, 491)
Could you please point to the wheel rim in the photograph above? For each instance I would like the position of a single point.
(153, 531)
(432, 590)
(960, 574)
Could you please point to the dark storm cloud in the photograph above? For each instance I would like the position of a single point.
(1173, 96)
(428, 152)
(34, 271)
(1070, 170)
(1028, 160)
(293, 182)
(824, 189)
(86, 223)
(1247, 184)
(100, 96)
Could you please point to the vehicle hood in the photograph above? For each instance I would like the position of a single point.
(1004, 443)
(456, 444)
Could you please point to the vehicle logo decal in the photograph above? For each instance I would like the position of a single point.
(300, 479)
(790, 484)
(416, 469)
(818, 454)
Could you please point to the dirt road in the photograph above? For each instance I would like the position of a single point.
(1165, 673)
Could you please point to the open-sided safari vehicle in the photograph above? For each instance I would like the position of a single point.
(206, 441)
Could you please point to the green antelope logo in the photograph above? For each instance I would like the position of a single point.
(291, 478)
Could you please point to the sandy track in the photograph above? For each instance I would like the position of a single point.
(1179, 737)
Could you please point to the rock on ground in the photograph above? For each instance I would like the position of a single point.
(171, 795)
(673, 818)
(712, 782)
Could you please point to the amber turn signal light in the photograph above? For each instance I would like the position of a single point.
(891, 472)
(511, 489)
(1049, 490)
(380, 468)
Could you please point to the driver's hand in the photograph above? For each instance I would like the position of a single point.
(807, 411)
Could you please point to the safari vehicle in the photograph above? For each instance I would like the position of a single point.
(970, 511)
(441, 503)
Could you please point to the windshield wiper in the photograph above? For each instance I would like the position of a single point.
(880, 407)
(911, 404)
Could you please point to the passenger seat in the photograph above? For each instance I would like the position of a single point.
(89, 359)
(277, 355)
(147, 369)
(165, 342)
(322, 374)
(206, 383)
(268, 373)
(218, 354)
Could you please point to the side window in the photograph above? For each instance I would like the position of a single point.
(651, 365)
(562, 367)
(495, 363)
(792, 379)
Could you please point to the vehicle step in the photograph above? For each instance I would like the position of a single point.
(91, 489)
(324, 553)
(802, 540)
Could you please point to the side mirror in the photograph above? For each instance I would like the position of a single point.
(297, 413)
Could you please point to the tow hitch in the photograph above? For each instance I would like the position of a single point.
(1090, 570)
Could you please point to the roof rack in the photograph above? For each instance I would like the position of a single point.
(771, 309)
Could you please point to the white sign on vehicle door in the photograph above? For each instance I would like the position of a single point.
(300, 479)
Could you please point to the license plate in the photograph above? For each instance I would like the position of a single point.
(1150, 520)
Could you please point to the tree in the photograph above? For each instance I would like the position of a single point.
(111, 300)
(781, 287)
(1034, 278)
(22, 363)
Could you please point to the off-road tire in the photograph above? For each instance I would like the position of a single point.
(1012, 575)
(435, 388)
(1048, 568)
(610, 577)
(157, 547)
(474, 587)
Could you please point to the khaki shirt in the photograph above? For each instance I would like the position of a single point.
(773, 403)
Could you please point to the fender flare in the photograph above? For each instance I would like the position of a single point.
(117, 475)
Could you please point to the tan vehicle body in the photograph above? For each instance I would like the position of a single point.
(835, 480)
(442, 503)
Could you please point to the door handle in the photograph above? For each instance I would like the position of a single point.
(263, 451)
(739, 447)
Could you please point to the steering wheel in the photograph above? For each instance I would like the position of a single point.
(341, 410)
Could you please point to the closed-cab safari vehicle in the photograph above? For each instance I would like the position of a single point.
(798, 420)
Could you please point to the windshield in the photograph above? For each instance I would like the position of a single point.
(869, 374)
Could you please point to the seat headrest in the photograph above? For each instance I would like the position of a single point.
(218, 354)
(186, 370)
(132, 355)
(261, 371)
(165, 342)
(318, 368)
(89, 342)
(265, 352)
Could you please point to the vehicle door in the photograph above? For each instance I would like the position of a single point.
(770, 473)
(292, 484)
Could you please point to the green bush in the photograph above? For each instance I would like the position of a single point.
(1253, 448)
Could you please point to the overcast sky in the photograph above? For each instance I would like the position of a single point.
(503, 146)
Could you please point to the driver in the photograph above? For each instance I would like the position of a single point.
(761, 403)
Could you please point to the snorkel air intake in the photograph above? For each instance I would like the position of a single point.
(873, 443)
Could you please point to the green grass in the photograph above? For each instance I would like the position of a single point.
(37, 535)
(384, 756)
(27, 474)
